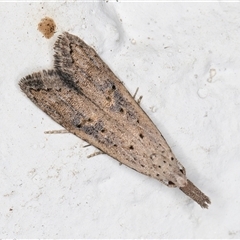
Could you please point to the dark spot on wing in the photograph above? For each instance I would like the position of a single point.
(68, 80)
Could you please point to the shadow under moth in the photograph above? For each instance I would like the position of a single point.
(83, 95)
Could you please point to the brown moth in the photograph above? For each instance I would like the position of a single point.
(84, 96)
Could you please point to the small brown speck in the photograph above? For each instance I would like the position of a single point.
(47, 27)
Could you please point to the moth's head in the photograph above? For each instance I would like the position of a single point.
(181, 180)
(177, 178)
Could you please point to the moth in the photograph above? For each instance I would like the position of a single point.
(83, 95)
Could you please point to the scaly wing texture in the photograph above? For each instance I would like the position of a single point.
(75, 112)
(84, 96)
(80, 115)
(76, 61)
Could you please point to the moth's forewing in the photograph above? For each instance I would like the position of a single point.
(84, 96)
(150, 153)
(79, 114)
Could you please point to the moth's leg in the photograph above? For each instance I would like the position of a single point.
(134, 95)
(56, 131)
(65, 131)
(88, 145)
(95, 154)
(139, 99)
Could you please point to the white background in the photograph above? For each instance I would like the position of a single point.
(185, 59)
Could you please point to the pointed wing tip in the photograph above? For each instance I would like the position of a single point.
(35, 80)
(31, 80)
(63, 48)
(62, 58)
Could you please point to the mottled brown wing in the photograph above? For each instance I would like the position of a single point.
(80, 65)
(68, 106)
(84, 96)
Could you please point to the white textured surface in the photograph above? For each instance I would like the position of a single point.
(185, 60)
